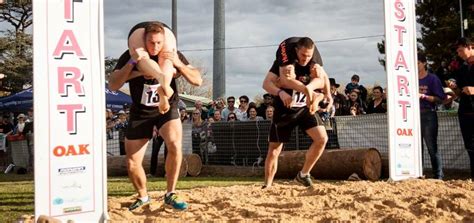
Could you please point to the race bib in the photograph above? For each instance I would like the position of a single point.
(150, 95)
(298, 99)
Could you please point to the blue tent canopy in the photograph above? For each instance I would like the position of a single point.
(23, 100)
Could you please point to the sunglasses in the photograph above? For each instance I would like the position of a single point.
(231, 117)
(230, 101)
(242, 101)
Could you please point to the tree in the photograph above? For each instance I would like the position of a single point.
(16, 52)
(440, 28)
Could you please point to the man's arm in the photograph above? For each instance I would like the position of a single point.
(118, 77)
(190, 73)
(269, 85)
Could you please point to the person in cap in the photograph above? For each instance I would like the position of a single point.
(339, 100)
(431, 95)
(464, 88)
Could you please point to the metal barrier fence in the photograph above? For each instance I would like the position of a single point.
(246, 143)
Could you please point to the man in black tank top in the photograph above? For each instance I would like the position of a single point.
(291, 107)
(144, 115)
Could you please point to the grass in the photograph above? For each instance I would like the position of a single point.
(17, 191)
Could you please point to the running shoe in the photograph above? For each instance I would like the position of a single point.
(306, 181)
(138, 203)
(176, 203)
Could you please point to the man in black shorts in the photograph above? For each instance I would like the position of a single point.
(291, 108)
(144, 115)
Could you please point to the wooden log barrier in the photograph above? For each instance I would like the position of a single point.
(117, 166)
(194, 164)
(336, 164)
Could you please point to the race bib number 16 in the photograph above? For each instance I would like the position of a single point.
(298, 99)
(150, 95)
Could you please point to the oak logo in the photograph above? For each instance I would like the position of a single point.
(71, 150)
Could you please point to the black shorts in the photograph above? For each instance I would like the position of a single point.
(141, 126)
(285, 120)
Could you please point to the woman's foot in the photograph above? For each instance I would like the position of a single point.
(309, 95)
(314, 106)
(164, 104)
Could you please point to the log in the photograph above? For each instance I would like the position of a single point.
(194, 164)
(117, 166)
(231, 171)
(336, 164)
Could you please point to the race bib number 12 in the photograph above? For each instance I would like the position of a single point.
(298, 99)
(150, 95)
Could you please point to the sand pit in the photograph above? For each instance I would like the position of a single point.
(412, 200)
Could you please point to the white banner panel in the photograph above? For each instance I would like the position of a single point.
(69, 104)
(402, 78)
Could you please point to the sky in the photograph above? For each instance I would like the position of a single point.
(338, 28)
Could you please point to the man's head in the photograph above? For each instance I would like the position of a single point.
(154, 38)
(230, 101)
(304, 50)
(465, 48)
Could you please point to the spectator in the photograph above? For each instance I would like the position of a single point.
(356, 106)
(109, 123)
(232, 117)
(6, 127)
(339, 100)
(211, 108)
(252, 114)
(220, 104)
(183, 115)
(20, 126)
(230, 108)
(198, 105)
(354, 84)
(217, 116)
(378, 104)
(243, 106)
(199, 127)
(269, 112)
(431, 94)
(121, 125)
(464, 88)
(262, 109)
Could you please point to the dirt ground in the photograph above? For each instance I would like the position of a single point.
(411, 200)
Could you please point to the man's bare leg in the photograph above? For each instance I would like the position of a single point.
(135, 151)
(271, 162)
(319, 136)
(172, 133)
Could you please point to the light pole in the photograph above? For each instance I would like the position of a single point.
(462, 22)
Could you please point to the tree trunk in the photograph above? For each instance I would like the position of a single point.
(333, 164)
(117, 166)
(194, 164)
